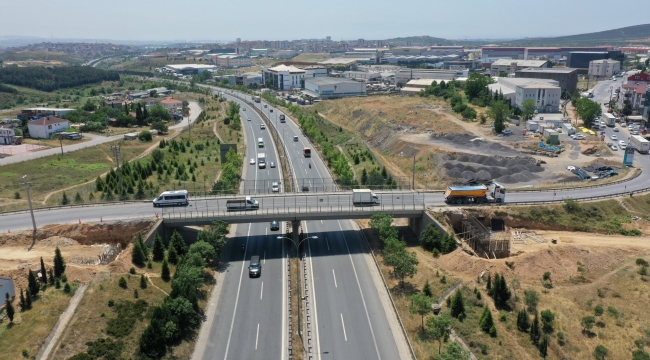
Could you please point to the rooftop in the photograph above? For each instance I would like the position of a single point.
(330, 81)
(170, 100)
(291, 69)
(190, 66)
(48, 120)
(549, 70)
(520, 63)
(47, 109)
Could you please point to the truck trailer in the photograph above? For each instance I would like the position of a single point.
(364, 197)
(640, 144)
(478, 194)
(242, 204)
(609, 119)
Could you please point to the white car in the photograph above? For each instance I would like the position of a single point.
(614, 147)
(613, 137)
(262, 126)
(571, 168)
(275, 187)
(252, 162)
(623, 124)
(579, 137)
(249, 119)
(507, 132)
(295, 138)
(616, 129)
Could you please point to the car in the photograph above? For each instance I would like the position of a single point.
(616, 129)
(623, 124)
(243, 109)
(272, 164)
(295, 138)
(623, 146)
(613, 137)
(264, 105)
(252, 162)
(271, 110)
(634, 132)
(622, 143)
(579, 137)
(262, 126)
(305, 188)
(614, 147)
(571, 168)
(255, 267)
(274, 225)
(275, 186)
(507, 132)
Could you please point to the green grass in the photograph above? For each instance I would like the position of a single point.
(31, 327)
(66, 58)
(311, 57)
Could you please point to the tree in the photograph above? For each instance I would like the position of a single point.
(543, 347)
(523, 321)
(43, 272)
(439, 328)
(458, 306)
(488, 285)
(500, 291)
(476, 85)
(50, 276)
(64, 199)
(600, 352)
(364, 176)
(529, 109)
(426, 289)
(404, 264)
(547, 320)
(598, 310)
(535, 331)
(203, 249)
(158, 248)
(122, 282)
(165, 271)
(59, 263)
(639, 354)
(143, 281)
(137, 254)
(453, 351)
(215, 235)
(531, 299)
(431, 238)
(28, 299)
(587, 110)
(23, 301)
(486, 322)
(178, 243)
(587, 323)
(172, 255)
(420, 305)
(145, 136)
(498, 112)
(32, 283)
(9, 308)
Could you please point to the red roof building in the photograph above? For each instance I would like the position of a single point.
(44, 127)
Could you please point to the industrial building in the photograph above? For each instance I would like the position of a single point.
(43, 111)
(362, 75)
(329, 87)
(402, 76)
(233, 61)
(580, 59)
(188, 69)
(604, 68)
(510, 66)
(462, 65)
(428, 50)
(566, 77)
(530, 53)
(283, 77)
(546, 94)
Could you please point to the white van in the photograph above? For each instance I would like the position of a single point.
(178, 197)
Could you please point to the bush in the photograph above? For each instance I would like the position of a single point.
(145, 136)
(111, 302)
(122, 282)
(66, 288)
(132, 271)
(642, 262)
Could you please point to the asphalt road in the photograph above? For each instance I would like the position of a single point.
(248, 323)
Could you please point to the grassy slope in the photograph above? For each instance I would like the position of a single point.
(41, 55)
(614, 36)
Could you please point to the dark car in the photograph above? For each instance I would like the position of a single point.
(255, 267)
(275, 225)
(271, 110)
(305, 188)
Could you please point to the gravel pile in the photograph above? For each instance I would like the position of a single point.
(481, 167)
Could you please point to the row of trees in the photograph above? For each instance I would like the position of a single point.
(435, 241)
(179, 313)
(230, 174)
(50, 79)
(52, 276)
(233, 119)
(404, 263)
(95, 119)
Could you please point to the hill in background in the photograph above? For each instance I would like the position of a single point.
(631, 35)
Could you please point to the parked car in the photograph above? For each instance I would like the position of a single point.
(579, 137)
(623, 124)
(571, 168)
(507, 132)
(252, 162)
(614, 137)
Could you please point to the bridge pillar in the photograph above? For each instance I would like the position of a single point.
(295, 231)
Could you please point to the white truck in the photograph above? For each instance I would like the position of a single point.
(570, 130)
(364, 197)
(261, 160)
(640, 143)
(242, 204)
(609, 119)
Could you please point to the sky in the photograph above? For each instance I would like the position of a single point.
(210, 20)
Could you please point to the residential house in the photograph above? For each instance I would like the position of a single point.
(44, 127)
(6, 135)
(172, 104)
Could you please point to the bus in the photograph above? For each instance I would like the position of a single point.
(260, 142)
(307, 152)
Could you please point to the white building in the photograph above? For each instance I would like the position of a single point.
(6, 135)
(233, 61)
(544, 93)
(510, 66)
(283, 77)
(44, 127)
(188, 69)
(172, 104)
(402, 76)
(362, 75)
(604, 68)
(329, 87)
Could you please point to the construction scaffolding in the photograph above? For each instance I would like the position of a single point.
(484, 242)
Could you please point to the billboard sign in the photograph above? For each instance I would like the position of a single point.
(628, 158)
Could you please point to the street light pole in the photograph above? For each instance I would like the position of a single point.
(116, 153)
(298, 276)
(31, 210)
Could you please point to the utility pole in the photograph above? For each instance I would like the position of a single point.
(116, 153)
(413, 185)
(31, 210)
(61, 142)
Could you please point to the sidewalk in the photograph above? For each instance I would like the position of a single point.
(195, 110)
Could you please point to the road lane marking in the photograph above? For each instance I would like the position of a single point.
(328, 244)
(302, 161)
(262, 290)
(333, 274)
(363, 299)
(264, 257)
(241, 275)
(321, 221)
(258, 335)
(342, 323)
(313, 289)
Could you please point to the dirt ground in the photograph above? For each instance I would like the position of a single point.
(401, 128)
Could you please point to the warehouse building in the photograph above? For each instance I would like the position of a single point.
(530, 53)
(402, 76)
(510, 66)
(580, 59)
(188, 69)
(566, 77)
(329, 87)
(604, 68)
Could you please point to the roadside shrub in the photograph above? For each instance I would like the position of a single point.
(111, 302)
(145, 136)
(132, 271)
(642, 262)
(122, 282)
(66, 288)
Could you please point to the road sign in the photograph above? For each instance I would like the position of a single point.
(628, 158)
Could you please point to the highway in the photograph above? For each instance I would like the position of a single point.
(249, 321)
